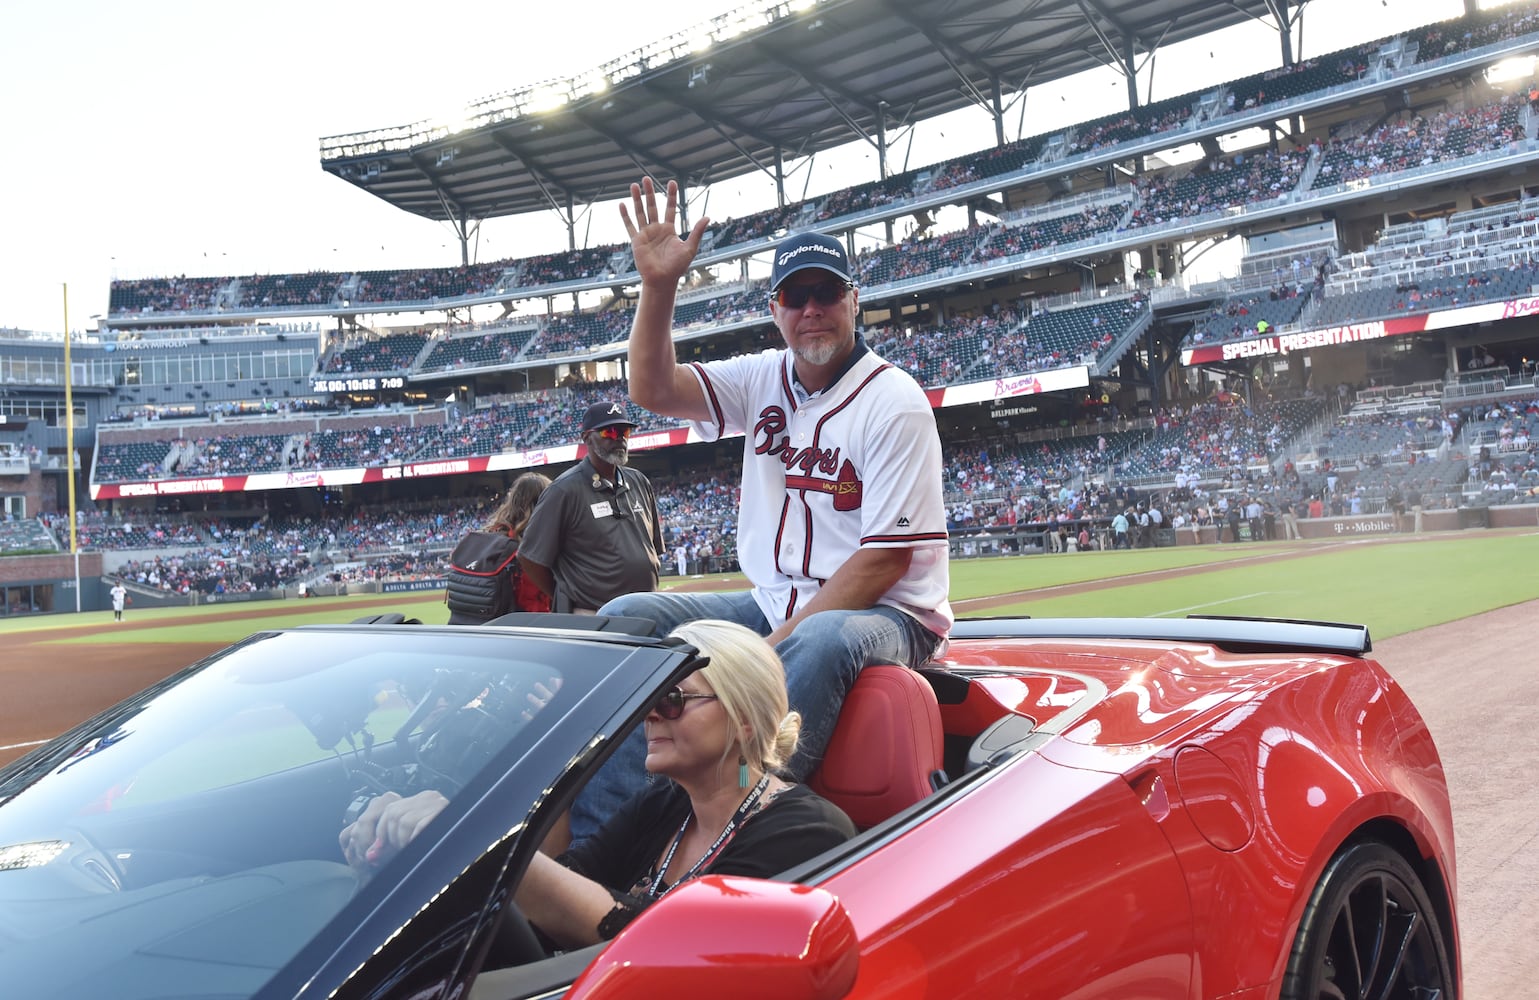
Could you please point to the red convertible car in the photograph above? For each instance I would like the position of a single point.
(1085, 808)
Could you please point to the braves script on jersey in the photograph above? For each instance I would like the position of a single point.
(858, 465)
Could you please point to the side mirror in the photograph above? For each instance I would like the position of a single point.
(725, 936)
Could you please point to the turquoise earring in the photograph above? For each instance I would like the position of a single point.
(742, 771)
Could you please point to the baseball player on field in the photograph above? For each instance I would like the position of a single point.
(841, 530)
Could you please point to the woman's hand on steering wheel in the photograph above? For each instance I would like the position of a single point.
(387, 825)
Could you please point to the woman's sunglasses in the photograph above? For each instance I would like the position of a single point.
(671, 705)
(826, 293)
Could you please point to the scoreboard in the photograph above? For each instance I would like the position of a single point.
(362, 383)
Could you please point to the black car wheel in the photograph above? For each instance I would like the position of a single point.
(1369, 933)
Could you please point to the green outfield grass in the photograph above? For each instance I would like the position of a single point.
(1392, 588)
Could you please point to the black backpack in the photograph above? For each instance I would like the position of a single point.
(483, 578)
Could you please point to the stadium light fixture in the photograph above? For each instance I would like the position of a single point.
(546, 98)
(456, 121)
(732, 25)
(592, 84)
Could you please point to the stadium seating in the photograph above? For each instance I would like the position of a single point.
(25, 535)
(1414, 140)
(1242, 179)
(1217, 439)
(938, 355)
(578, 333)
(279, 291)
(1060, 337)
(477, 350)
(394, 353)
(1250, 315)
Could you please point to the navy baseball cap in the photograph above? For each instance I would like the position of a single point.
(804, 250)
(605, 415)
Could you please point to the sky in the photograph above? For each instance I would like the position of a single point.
(165, 137)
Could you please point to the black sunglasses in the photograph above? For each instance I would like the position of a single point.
(671, 704)
(826, 293)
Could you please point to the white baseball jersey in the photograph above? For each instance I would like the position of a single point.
(858, 465)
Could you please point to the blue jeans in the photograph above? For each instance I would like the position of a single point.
(822, 658)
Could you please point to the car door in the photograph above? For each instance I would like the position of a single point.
(1028, 879)
(1038, 880)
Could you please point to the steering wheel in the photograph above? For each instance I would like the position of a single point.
(514, 942)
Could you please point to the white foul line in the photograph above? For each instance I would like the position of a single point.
(22, 746)
(1212, 604)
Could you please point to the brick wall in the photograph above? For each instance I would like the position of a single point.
(42, 569)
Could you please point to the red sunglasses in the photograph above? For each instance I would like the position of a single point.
(825, 293)
(615, 432)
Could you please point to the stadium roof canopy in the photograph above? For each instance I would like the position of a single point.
(766, 82)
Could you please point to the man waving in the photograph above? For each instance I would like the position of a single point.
(842, 529)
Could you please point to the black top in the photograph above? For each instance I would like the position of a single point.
(622, 856)
(599, 536)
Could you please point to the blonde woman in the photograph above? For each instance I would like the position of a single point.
(720, 737)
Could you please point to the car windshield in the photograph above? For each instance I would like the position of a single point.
(198, 825)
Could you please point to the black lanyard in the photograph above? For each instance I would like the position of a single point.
(721, 841)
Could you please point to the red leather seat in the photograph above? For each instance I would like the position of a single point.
(886, 745)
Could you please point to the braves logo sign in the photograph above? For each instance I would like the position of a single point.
(772, 440)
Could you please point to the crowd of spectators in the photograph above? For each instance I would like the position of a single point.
(923, 253)
(1417, 140)
(569, 265)
(875, 194)
(1439, 293)
(100, 533)
(213, 572)
(392, 353)
(699, 515)
(1248, 178)
(164, 295)
(428, 283)
(938, 354)
(991, 344)
(1034, 234)
(1225, 459)
(286, 291)
(1253, 314)
(573, 333)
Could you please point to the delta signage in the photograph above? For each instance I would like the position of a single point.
(1352, 333)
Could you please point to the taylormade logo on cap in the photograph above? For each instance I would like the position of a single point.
(804, 250)
(791, 255)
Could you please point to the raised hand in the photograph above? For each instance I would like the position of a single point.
(661, 256)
